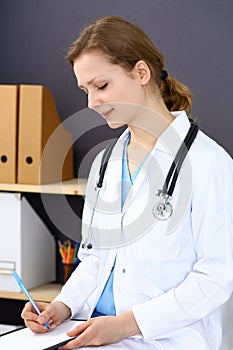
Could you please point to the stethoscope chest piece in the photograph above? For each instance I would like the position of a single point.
(162, 209)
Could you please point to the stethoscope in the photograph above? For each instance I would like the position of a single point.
(162, 209)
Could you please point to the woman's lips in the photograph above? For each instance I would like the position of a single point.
(107, 114)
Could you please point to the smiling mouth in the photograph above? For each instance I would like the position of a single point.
(107, 114)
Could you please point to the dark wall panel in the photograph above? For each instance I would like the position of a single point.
(195, 37)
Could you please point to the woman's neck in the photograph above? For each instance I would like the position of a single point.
(150, 126)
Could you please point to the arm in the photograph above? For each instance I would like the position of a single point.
(103, 330)
(84, 279)
(209, 284)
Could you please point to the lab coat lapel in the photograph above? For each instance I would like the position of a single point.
(108, 220)
(140, 179)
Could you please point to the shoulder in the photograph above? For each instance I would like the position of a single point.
(206, 150)
(210, 162)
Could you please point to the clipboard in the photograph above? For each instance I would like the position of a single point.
(39, 341)
(7, 329)
(56, 346)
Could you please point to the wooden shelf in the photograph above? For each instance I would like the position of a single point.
(46, 292)
(76, 187)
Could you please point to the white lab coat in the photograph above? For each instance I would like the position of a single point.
(173, 274)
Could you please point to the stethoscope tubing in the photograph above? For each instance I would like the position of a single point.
(178, 161)
(90, 233)
(166, 192)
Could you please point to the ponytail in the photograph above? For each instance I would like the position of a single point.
(176, 95)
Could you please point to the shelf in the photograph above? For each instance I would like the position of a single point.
(46, 293)
(76, 187)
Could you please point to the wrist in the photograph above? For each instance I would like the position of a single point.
(64, 310)
(129, 324)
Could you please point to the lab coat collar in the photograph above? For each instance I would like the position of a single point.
(171, 139)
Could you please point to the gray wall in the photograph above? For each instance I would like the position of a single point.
(195, 37)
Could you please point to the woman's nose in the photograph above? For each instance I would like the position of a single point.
(93, 100)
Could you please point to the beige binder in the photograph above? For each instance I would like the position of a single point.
(45, 152)
(8, 132)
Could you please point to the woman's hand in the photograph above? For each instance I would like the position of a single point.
(103, 330)
(53, 313)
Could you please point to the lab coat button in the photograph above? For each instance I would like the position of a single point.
(123, 270)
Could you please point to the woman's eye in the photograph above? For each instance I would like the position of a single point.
(103, 87)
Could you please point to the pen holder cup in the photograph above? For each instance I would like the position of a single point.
(67, 270)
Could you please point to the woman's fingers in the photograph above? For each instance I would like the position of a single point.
(85, 337)
(37, 322)
(79, 329)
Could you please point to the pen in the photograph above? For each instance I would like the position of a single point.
(25, 291)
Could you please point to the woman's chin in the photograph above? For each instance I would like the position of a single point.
(114, 125)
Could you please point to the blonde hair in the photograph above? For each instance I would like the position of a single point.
(124, 43)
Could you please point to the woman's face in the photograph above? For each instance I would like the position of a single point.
(112, 92)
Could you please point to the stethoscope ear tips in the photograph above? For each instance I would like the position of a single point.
(89, 246)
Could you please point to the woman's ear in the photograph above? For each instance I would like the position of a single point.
(142, 72)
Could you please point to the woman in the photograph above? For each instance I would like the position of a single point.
(150, 278)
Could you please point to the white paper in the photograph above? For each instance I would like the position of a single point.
(27, 340)
(5, 328)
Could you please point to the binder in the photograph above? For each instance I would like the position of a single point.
(8, 132)
(27, 245)
(45, 152)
